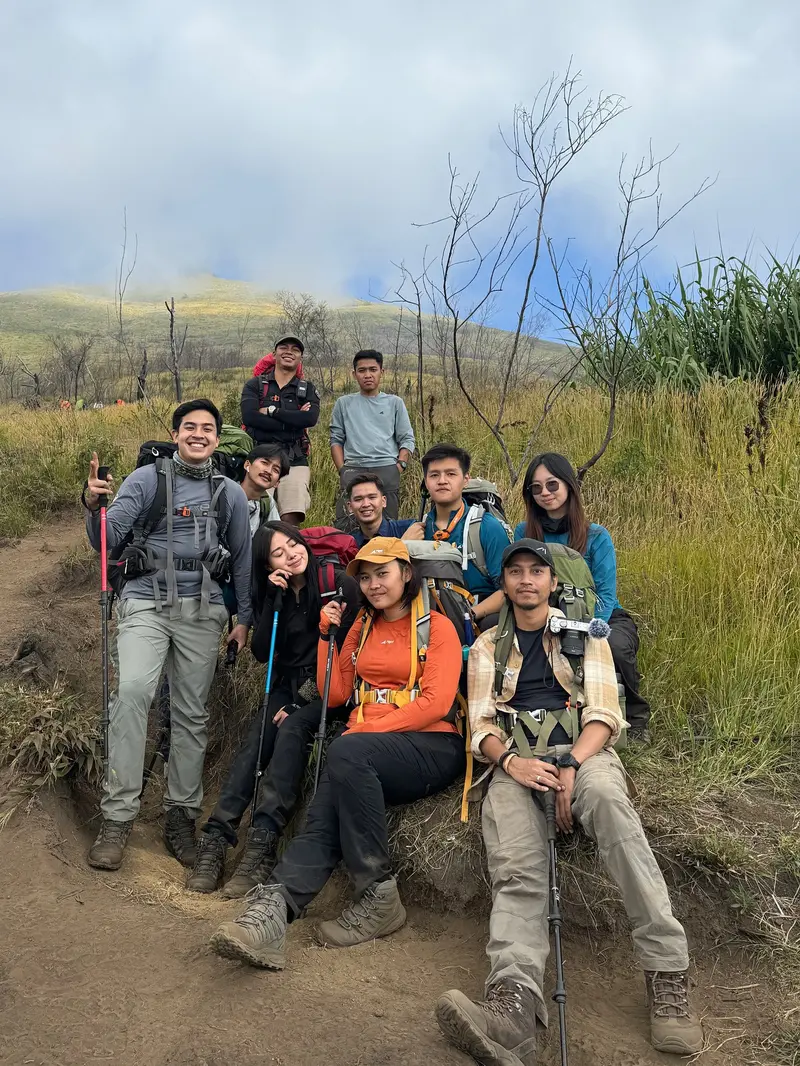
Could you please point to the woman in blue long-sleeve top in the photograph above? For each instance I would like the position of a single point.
(554, 507)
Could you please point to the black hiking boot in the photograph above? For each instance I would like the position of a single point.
(255, 863)
(674, 1027)
(107, 851)
(209, 866)
(179, 836)
(498, 1031)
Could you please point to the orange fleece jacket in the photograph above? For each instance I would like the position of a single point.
(385, 662)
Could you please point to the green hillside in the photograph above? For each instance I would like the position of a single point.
(215, 310)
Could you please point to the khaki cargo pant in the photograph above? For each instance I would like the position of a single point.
(516, 848)
(146, 639)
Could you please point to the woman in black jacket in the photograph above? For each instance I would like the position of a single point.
(281, 560)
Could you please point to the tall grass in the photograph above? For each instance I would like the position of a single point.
(728, 318)
(705, 528)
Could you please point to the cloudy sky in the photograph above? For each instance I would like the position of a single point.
(294, 145)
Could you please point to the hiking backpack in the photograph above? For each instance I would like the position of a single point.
(330, 547)
(228, 458)
(480, 497)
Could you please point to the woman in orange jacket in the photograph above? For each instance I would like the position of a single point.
(398, 746)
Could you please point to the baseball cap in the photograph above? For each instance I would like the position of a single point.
(379, 550)
(533, 547)
(291, 340)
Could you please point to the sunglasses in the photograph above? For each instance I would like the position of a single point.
(551, 486)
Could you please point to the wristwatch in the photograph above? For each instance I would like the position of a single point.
(402, 464)
(568, 762)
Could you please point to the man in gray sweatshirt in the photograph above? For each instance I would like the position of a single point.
(370, 431)
(171, 609)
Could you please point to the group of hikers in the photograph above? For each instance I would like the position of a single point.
(360, 645)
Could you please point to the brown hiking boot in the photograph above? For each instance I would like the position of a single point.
(255, 864)
(258, 935)
(107, 851)
(674, 1028)
(179, 836)
(498, 1031)
(378, 912)
(209, 866)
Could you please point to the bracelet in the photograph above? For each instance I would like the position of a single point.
(504, 759)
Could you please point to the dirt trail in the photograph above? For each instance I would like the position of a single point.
(114, 967)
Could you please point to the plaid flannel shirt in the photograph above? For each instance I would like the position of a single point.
(598, 697)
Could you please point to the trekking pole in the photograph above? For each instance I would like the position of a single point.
(102, 475)
(326, 691)
(554, 917)
(422, 500)
(277, 603)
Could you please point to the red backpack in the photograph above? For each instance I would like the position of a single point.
(330, 548)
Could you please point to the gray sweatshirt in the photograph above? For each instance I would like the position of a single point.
(371, 429)
(132, 503)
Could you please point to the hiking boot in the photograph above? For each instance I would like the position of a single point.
(107, 851)
(179, 836)
(497, 1031)
(377, 913)
(639, 735)
(674, 1028)
(209, 866)
(258, 935)
(255, 863)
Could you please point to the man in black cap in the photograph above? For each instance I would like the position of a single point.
(540, 726)
(280, 406)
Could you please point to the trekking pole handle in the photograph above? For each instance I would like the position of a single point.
(550, 805)
(232, 652)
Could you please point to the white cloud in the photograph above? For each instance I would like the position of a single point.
(297, 144)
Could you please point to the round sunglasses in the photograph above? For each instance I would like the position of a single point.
(551, 486)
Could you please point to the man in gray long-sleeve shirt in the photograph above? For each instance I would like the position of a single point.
(171, 609)
(370, 431)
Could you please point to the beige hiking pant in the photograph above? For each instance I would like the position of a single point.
(146, 639)
(516, 847)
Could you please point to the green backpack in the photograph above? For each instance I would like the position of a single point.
(233, 448)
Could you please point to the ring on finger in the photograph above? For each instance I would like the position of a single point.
(538, 779)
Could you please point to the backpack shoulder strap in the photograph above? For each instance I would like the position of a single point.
(158, 508)
(327, 579)
(503, 643)
(219, 492)
(472, 549)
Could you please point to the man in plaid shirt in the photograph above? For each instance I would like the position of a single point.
(543, 711)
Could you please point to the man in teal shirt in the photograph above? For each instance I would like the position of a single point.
(446, 470)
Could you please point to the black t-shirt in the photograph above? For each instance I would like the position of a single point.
(298, 634)
(537, 685)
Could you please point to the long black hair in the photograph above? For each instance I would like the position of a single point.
(577, 523)
(262, 588)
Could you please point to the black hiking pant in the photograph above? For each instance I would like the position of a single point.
(347, 818)
(624, 643)
(284, 753)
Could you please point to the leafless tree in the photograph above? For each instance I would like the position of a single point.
(599, 317)
(485, 247)
(175, 349)
(9, 369)
(68, 364)
(318, 327)
(141, 377)
(241, 338)
(125, 349)
(32, 382)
